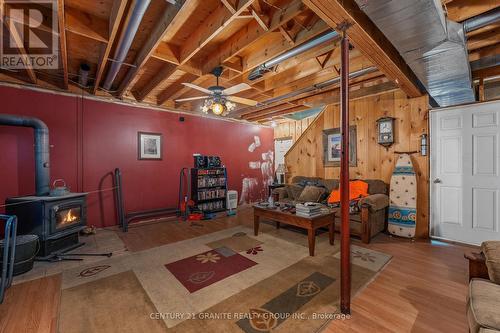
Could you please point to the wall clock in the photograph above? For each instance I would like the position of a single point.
(385, 129)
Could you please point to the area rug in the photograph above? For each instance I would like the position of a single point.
(118, 304)
(206, 268)
(272, 285)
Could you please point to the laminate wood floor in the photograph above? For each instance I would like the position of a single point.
(422, 289)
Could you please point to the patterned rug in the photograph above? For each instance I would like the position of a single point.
(227, 281)
(204, 269)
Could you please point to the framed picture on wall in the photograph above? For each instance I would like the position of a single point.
(332, 144)
(150, 146)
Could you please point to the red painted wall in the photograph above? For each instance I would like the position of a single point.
(89, 139)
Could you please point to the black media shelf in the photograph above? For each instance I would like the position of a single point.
(209, 189)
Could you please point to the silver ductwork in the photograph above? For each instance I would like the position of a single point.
(433, 46)
(268, 65)
(314, 87)
(480, 21)
(42, 153)
(137, 11)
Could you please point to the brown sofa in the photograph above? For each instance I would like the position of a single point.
(483, 300)
(372, 215)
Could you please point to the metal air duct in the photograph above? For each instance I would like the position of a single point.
(137, 11)
(318, 86)
(42, 153)
(482, 20)
(322, 38)
(433, 46)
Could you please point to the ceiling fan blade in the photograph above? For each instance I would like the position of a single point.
(236, 89)
(194, 86)
(191, 98)
(242, 100)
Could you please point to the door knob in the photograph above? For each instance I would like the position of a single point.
(437, 181)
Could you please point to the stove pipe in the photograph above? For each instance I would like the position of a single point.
(42, 154)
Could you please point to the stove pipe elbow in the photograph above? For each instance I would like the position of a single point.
(42, 147)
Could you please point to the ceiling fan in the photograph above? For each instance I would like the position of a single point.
(219, 100)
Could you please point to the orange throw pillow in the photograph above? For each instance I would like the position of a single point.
(357, 189)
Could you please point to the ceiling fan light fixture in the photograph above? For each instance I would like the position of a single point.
(218, 108)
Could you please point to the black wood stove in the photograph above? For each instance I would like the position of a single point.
(56, 220)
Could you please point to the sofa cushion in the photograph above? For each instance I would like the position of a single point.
(294, 191)
(311, 194)
(329, 184)
(303, 180)
(491, 250)
(375, 202)
(376, 186)
(483, 308)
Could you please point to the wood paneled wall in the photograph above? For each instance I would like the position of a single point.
(374, 161)
(292, 128)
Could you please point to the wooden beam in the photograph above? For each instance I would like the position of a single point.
(261, 20)
(249, 34)
(164, 74)
(16, 37)
(260, 56)
(460, 10)
(329, 95)
(210, 28)
(86, 25)
(169, 18)
(486, 73)
(483, 52)
(230, 6)
(481, 90)
(174, 87)
(287, 35)
(368, 39)
(115, 19)
(205, 33)
(484, 39)
(62, 42)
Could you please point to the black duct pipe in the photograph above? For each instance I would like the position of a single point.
(42, 154)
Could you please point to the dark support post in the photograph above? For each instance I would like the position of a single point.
(345, 246)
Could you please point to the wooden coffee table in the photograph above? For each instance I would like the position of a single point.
(310, 224)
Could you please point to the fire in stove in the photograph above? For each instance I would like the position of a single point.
(69, 217)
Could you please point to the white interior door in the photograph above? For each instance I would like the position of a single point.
(465, 180)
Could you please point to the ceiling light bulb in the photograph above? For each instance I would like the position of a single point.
(273, 124)
(217, 109)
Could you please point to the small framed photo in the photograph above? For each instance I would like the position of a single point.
(150, 146)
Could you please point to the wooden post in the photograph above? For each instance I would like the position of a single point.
(345, 246)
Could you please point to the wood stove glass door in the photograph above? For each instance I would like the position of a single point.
(66, 216)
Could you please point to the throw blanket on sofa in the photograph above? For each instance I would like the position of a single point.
(357, 189)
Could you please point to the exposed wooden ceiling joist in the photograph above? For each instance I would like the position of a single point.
(86, 25)
(460, 10)
(215, 24)
(368, 39)
(484, 52)
(171, 14)
(117, 14)
(249, 34)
